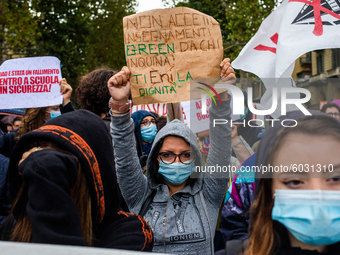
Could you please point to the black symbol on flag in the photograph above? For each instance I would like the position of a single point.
(312, 12)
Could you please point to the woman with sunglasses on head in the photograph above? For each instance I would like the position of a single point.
(182, 211)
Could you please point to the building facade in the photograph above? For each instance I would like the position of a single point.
(319, 72)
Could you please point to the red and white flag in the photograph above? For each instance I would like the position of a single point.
(294, 28)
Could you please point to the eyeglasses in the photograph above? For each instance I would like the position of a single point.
(170, 157)
(334, 114)
(148, 122)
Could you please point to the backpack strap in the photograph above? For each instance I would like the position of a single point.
(236, 247)
(147, 203)
(207, 215)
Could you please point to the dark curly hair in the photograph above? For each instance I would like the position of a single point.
(92, 92)
(329, 105)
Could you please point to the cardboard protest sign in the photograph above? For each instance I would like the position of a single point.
(30, 82)
(166, 48)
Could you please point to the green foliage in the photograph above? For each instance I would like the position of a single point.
(64, 28)
(17, 28)
(83, 34)
(244, 19)
(106, 36)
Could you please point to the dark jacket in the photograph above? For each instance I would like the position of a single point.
(3, 128)
(8, 140)
(50, 174)
(106, 120)
(7, 143)
(137, 117)
(4, 189)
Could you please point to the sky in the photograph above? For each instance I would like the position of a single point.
(145, 5)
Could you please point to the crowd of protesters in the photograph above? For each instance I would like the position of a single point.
(103, 177)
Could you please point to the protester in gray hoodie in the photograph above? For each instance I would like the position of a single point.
(182, 211)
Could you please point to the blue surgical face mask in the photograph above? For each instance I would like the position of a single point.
(243, 116)
(148, 133)
(311, 216)
(176, 173)
(54, 114)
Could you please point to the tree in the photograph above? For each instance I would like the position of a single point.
(244, 19)
(63, 31)
(83, 34)
(17, 28)
(106, 36)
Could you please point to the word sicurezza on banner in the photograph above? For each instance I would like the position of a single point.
(23, 89)
(18, 85)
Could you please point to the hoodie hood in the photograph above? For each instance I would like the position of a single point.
(137, 117)
(174, 128)
(84, 135)
(271, 135)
